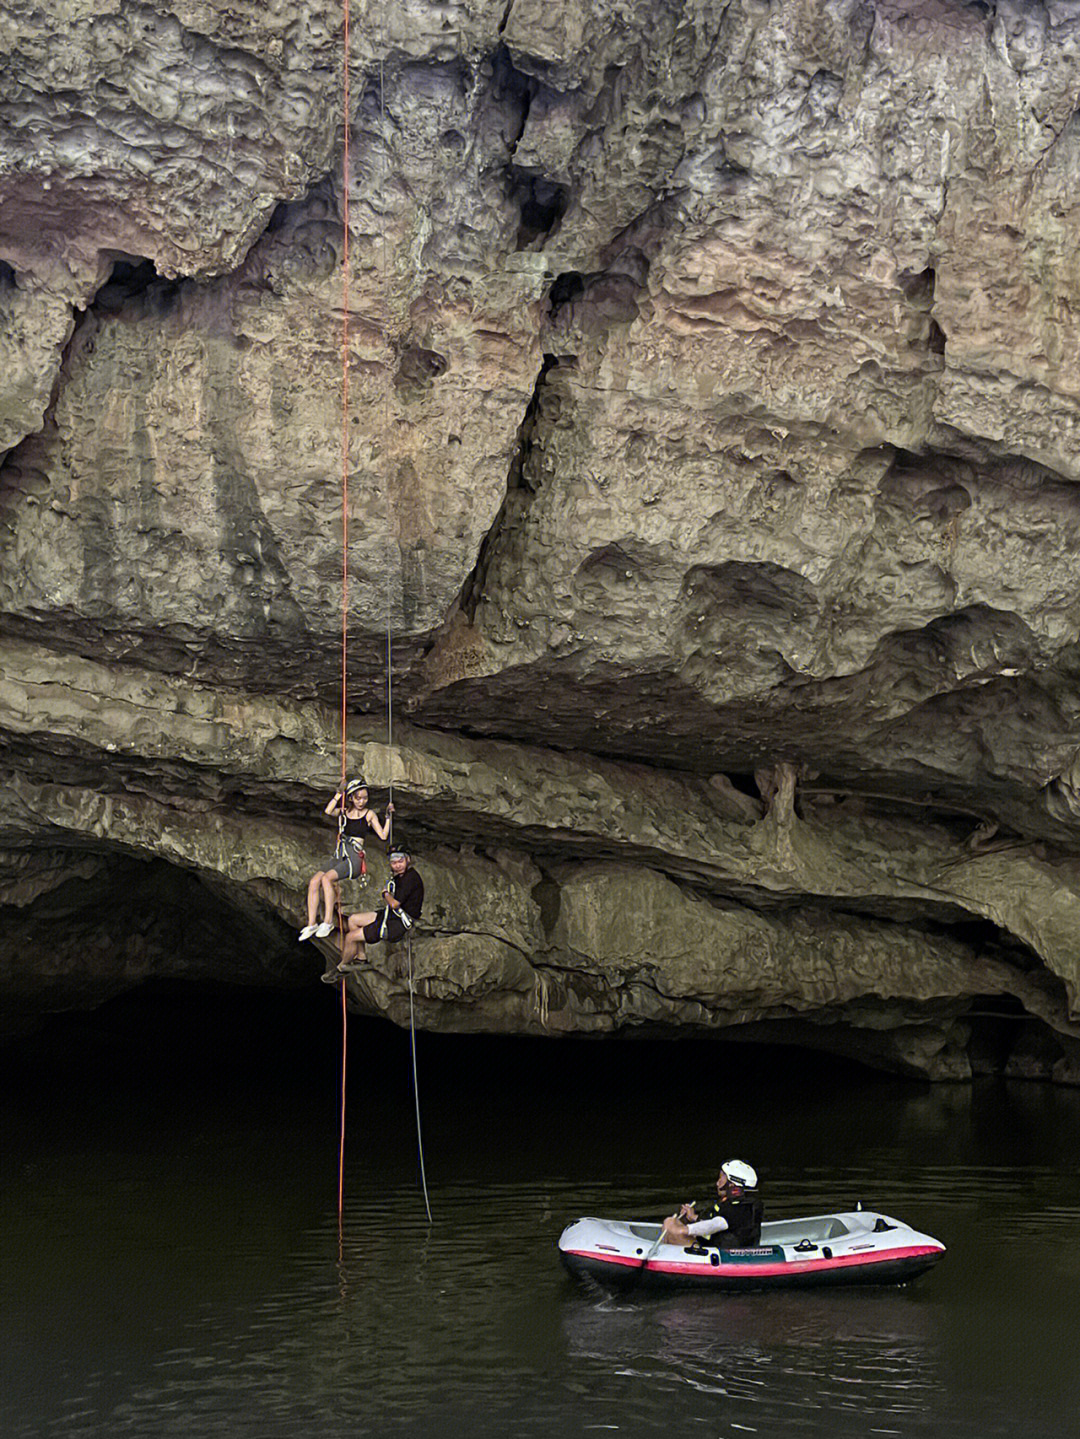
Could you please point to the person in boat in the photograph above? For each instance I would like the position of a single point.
(404, 900)
(356, 821)
(731, 1221)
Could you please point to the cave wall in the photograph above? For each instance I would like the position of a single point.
(712, 458)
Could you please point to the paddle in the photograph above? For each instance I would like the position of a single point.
(652, 1249)
(652, 1252)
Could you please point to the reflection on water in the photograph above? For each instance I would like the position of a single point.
(171, 1260)
(857, 1354)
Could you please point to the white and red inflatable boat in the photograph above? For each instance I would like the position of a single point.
(859, 1247)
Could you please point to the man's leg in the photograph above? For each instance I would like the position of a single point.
(352, 949)
(330, 975)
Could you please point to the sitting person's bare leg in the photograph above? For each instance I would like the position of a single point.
(353, 953)
(352, 950)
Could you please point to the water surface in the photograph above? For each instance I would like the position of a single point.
(171, 1256)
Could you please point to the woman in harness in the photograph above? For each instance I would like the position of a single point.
(355, 822)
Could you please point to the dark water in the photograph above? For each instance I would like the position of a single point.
(170, 1241)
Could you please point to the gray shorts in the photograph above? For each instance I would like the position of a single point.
(348, 863)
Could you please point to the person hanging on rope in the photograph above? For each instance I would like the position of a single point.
(355, 822)
(404, 896)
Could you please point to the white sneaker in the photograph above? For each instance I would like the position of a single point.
(324, 929)
(307, 932)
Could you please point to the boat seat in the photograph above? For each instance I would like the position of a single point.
(818, 1231)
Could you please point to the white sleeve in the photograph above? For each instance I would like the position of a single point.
(705, 1228)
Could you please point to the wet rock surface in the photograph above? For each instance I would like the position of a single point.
(712, 458)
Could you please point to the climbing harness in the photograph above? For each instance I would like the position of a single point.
(402, 915)
(386, 913)
(354, 856)
(350, 848)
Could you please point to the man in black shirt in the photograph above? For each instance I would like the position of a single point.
(404, 896)
(732, 1221)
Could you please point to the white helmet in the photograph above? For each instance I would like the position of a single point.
(739, 1173)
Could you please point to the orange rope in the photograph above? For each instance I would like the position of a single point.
(345, 395)
(344, 556)
(341, 1150)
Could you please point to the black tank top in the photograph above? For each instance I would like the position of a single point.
(357, 829)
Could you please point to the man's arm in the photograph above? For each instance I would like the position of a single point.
(413, 897)
(678, 1231)
(706, 1228)
(398, 909)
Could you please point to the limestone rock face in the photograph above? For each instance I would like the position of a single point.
(164, 130)
(710, 448)
(34, 327)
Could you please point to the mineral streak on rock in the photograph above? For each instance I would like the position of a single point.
(715, 417)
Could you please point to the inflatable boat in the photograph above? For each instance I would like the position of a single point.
(859, 1247)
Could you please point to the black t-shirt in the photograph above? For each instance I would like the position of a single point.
(743, 1217)
(408, 890)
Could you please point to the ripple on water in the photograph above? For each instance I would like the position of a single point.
(153, 1296)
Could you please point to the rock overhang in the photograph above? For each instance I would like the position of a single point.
(716, 412)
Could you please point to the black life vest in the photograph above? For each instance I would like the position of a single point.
(743, 1215)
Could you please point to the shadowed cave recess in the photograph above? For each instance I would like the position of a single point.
(712, 458)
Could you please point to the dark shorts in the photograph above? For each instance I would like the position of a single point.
(395, 930)
(348, 865)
